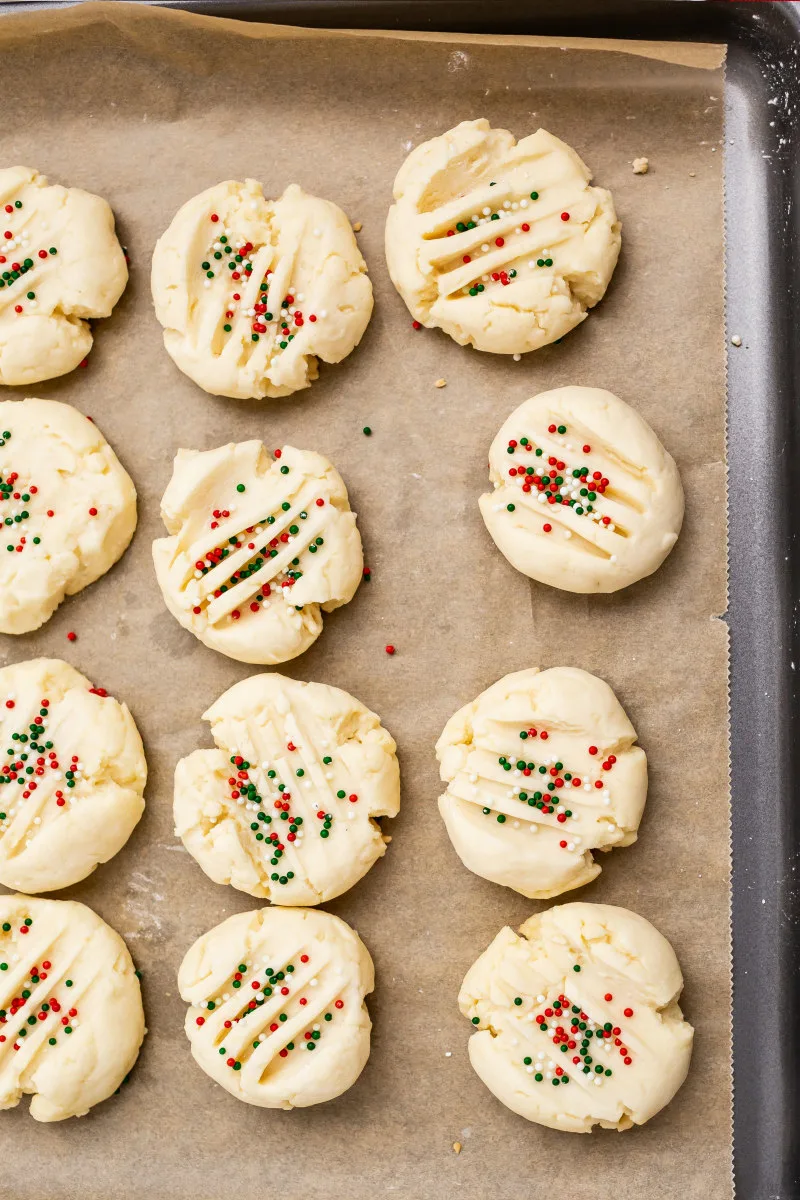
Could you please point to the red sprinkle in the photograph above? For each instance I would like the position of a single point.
(72, 637)
(565, 216)
(389, 649)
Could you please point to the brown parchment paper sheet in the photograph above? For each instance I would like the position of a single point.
(148, 107)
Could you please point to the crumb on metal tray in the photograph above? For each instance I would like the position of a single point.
(440, 383)
(641, 166)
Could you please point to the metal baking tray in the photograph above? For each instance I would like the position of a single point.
(762, 180)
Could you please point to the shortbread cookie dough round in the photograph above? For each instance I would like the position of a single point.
(585, 497)
(67, 509)
(277, 1011)
(260, 547)
(72, 1020)
(60, 264)
(252, 292)
(541, 769)
(285, 807)
(72, 775)
(576, 1019)
(502, 244)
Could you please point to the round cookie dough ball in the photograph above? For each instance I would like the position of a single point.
(585, 497)
(72, 774)
(72, 1020)
(60, 263)
(67, 509)
(277, 1006)
(598, 980)
(259, 549)
(541, 770)
(502, 244)
(284, 807)
(252, 292)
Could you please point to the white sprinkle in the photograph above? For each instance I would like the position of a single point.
(736, 340)
(517, 357)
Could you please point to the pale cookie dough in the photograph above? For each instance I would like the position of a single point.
(259, 549)
(60, 263)
(577, 1019)
(71, 1017)
(72, 774)
(541, 770)
(277, 1006)
(284, 807)
(67, 509)
(252, 292)
(502, 244)
(586, 498)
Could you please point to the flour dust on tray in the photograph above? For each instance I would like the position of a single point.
(259, 548)
(504, 245)
(253, 292)
(541, 770)
(585, 497)
(277, 1012)
(60, 265)
(285, 807)
(67, 509)
(71, 1017)
(72, 775)
(576, 1019)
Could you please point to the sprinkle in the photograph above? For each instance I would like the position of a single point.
(390, 649)
(736, 340)
(72, 637)
(367, 431)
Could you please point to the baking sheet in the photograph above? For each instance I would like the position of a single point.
(147, 108)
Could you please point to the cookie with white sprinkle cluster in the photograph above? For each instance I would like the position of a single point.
(67, 509)
(259, 548)
(585, 497)
(577, 1020)
(60, 264)
(285, 807)
(277, 1012)
(541, 770)
(504, 245)
(71, 1017)
(72, 775)
(253, 292)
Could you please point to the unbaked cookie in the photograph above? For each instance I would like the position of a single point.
(502, 244)
(60, 263)
(67, 509)
(284, 807)
(71, 1018)
(541, 770)
(72, 774)
(252, 292)
(577, 1019)
(586, 498)
(277, 1005)
(259, 549)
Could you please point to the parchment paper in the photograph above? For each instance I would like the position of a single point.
(147, 108)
